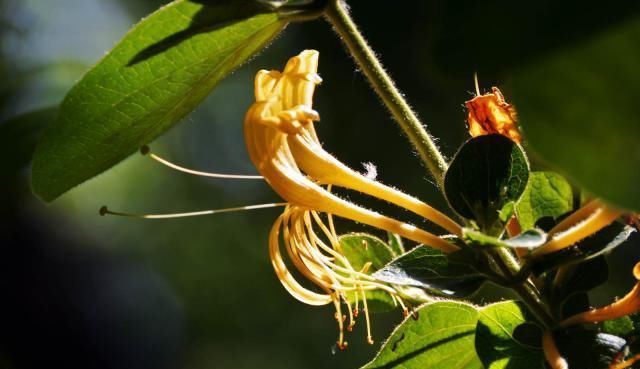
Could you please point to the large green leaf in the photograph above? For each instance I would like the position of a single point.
(162, 69)
(442, 337)
(18, 138)
(431, 269)
(578, 110)
(547, 194)
(486, 173)
(497, 340)
(361, 249)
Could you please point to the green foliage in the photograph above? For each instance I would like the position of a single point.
(497, 343)
(361, 249)
(529, 239)
(547, 194)
(431, 269)
(441, 337)
(18, 138)
(396, 244)
(486, 173)
(622, 326)
(169, 63)
(577, 109)
(162, 69)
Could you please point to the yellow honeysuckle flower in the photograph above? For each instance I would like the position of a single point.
(283, 145)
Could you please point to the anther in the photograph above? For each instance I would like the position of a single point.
(370, 340)
(405, 312)
(144, 150)
(355, 313)
(104, 210)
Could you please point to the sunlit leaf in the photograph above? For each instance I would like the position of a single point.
(578, 110)
(497, 343)
(362, 249)
(547, 194)
(160, 71)
(442, 337)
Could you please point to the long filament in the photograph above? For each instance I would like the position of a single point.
(105, 211)
(146, 151)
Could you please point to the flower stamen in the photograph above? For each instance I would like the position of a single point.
(145, 150)
(105, 211)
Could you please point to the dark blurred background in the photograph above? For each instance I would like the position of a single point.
(82, 291)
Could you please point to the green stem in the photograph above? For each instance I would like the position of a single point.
(527, 290)
(338, 16)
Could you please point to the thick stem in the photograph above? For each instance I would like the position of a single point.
(527, 290)
(338, 16)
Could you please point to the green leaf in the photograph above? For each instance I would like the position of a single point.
(395, 243)
(497, 344)
(486, 173)
(442, 337)
(507, 212)
(547, 194)
(601, 243)
(588, 349)
(619, 327)
(162, 69)
(18, 138)
(361, 249)
(528, 239)
(578, 110)
(428, 268)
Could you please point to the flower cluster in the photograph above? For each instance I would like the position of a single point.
(283, 145)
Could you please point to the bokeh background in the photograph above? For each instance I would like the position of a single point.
(82, 291)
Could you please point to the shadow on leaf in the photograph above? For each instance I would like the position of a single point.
(215, 14)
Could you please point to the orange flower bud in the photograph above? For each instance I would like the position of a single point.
(491, 114)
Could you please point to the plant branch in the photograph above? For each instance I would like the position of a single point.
(527, 290)
(339, 17)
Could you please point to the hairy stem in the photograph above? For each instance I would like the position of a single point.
(338, 16)
(527, 291)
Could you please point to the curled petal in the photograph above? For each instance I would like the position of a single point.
(598, 219)
(324, 167)
(290, 284)
(627, 305)
(551, 353)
